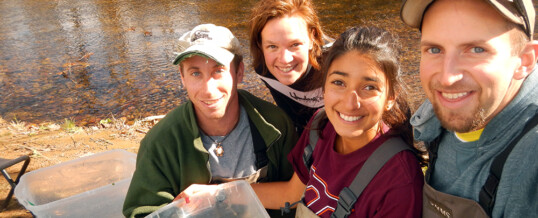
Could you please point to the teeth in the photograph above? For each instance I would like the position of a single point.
(287, 69)
(454, 95)
(349, 118)
(211, 101)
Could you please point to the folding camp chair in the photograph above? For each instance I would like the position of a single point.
(5, 163)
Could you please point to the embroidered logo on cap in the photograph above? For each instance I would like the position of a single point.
(201, 34)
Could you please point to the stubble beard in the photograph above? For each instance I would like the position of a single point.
(460, 122)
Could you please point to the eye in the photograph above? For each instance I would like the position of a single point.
(434, 50)
(296, 44)
(477, 50)
(370, 87)
(337, 83)
(195, 73)
(271, 46)
(220, 70)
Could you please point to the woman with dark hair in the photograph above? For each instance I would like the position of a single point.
(286, 43)
(365, 120)
(364, 107)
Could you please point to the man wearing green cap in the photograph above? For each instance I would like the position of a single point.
(220, 134)
(478, 70)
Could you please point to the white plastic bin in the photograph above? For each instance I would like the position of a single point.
(233, 199)
(92, 186)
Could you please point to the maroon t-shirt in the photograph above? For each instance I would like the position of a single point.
(395, 191)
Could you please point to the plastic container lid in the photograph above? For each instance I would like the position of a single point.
(233, 199)
(92, 186)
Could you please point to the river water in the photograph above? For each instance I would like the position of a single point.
(87, 60)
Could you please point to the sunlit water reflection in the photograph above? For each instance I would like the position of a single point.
(95, 59)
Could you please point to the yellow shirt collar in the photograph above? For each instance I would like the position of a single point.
(469, 136)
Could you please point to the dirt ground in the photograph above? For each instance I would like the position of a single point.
(48, 144)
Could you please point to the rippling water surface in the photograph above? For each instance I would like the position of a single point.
(94, 59)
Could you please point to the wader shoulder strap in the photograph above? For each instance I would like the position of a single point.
(260, 149)
(313, 139)
(348, 196)
(489, 190)
(433, 146)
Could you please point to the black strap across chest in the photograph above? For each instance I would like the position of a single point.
(349, 195)
(489, 189)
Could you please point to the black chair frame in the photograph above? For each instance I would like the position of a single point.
(6, 163)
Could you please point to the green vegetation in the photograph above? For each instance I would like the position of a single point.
(70, 126)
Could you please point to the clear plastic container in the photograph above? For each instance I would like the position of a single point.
(233, 199)
(92, 186)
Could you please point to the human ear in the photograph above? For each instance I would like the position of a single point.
(391, 100)
(311, 39)
(182, 78)
(389, 104)
(240, 72)
(528, 57)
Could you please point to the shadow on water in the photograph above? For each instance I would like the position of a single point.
(90, 60)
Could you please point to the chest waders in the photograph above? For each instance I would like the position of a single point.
(349, 195)
(439, 204)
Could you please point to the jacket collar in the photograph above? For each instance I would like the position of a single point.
(268, 132)
(426, 126)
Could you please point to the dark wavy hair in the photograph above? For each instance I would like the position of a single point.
(384, 49)
(265, 10)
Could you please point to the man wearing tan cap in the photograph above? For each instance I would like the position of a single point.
(220, 134)
(478, 70)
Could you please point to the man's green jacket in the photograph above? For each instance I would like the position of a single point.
(172, 157)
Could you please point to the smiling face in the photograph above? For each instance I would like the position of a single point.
(285, 44)
(355, 96)
(211, 87)
(469, 78)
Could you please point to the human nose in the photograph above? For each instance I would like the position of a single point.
(210, 85)
(353, 101)
(286, 56)
(451, 69)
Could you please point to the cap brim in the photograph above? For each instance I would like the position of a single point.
(412, 12)
(524, 17)
(220, 55)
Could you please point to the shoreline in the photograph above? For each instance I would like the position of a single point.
(49, 144)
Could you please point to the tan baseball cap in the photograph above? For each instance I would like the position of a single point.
(520, 12)
(208, 40)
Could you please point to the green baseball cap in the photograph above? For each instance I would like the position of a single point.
(208, 40)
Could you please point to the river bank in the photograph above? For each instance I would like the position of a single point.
(48, 144)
